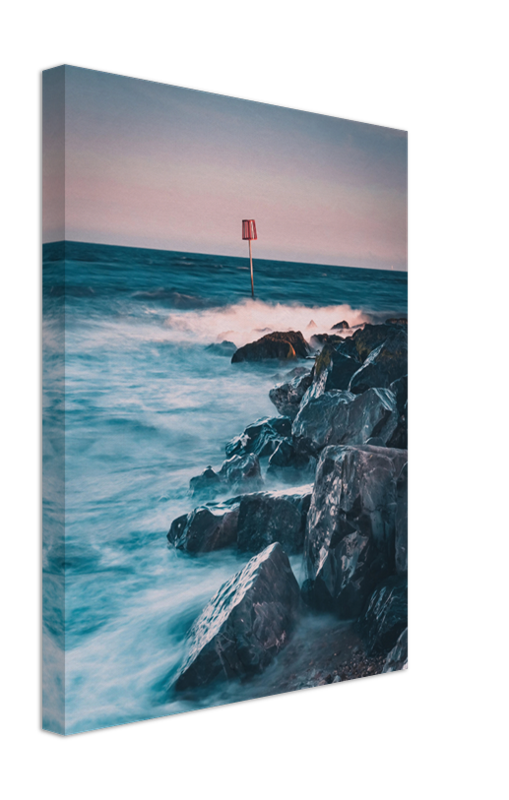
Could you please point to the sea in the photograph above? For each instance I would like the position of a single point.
(149, 404)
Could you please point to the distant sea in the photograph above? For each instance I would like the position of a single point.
(148, 406)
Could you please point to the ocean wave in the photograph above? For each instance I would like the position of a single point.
(250, 319)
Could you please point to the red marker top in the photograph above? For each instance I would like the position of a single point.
(249, 229)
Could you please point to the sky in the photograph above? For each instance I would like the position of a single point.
(152, 165)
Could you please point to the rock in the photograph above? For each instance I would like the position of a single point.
(261, 438)
(246, 624)
(344, 418)
(287, 396)
(398, 657)
(224, 348)
(268, 517)
(292, 461)
(385, 364)
(340, 325)
(400, 436)
(333, 370)
(386, 615)
(399, 388)
(366, 339)
(403, 321)
(401, 522)
(349, 544)
(208, 484)
(318, 340)
(242, 471)
(285, 345)
(202, 531)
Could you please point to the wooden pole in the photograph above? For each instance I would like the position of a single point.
(251, 263)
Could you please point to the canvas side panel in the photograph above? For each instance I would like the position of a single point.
(53, 396)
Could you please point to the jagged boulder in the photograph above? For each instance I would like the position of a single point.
(208, 484)
(242, 472)
(385, 364)
(349, 544)
(343, 325)
(344, 418)
(366, 339)
(280, 345)
(386, 615)
(287, 396)
(333, 370)
(272, 517)
(292, 461)
(202, 531)
(401, 522)
(245, 625)
(260, 438)
(398, 656)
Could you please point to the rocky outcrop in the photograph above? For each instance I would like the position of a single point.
(287, 396)
(350, 533)
(344, 418)
(202, 531)
(398, 656)
(386, 615)
(260, 438)
(343, 325)
(385, 364)
(281, 345)
(246, 624)
(273, 517)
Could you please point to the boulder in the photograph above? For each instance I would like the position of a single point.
(292, 461)
(246, 624)
(272, 517)
(202, 531)
(400, 436)
(366, 339)
(402, 321)
(398, 657)
(281, 345)
(386, 615)
(261, 438)
(318, 340)
(242, 472)
(349, 544)
(287, 396)
(208, 484)
(333, 370)
(343, 325)
(385, 364)
(338, 417)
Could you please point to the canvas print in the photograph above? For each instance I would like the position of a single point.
(225, 341)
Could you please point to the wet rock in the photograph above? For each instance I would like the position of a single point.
(385, 364)
(399, 388)
(242, 472)
(268, 517)
(202, 531)
(344, 418)
(343, 325)
(402, 321)
(208, 484)
(287, 396)
(260, 438)
(367, 339)
(400, 436)
(350, 534)
(333, 370)
(398, 656)
(386, 615)
(292, 461)
(401, 522)
(246, 624)
(281, 345)
(318, 340)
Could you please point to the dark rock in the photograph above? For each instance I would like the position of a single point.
(403, 321)
(350, 534)
(281, 345)
(340, 325)
(246, 624)
(208, 484)
(400, 436)
(399, 388)
(385, 364)
(386, 615)
(367, 339)
(401, 521)
(261, 438)
(287, 396)
(204, 531)
(344, 418)
(333, 370)
(224, 348)
(318, 340)
(242, 471)
(398, 657)
(292, 461)
(266, 518)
